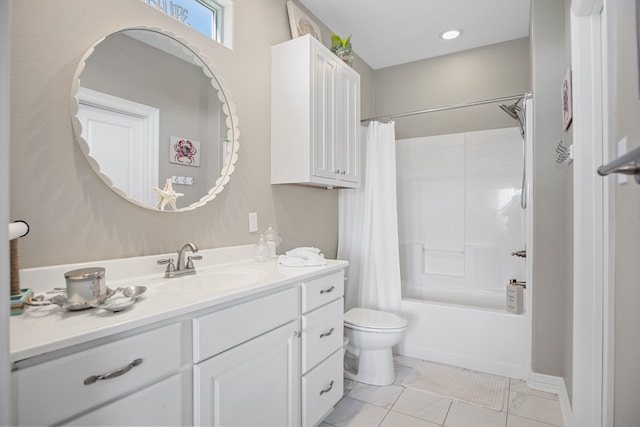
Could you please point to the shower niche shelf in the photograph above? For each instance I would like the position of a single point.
(315, 116)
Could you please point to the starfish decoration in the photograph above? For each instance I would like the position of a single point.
(167, 196)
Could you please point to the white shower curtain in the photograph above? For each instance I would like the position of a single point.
(368, 226)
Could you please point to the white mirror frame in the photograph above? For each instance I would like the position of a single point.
(231, 151)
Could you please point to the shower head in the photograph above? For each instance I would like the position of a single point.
(512, 109)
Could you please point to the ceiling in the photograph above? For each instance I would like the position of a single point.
(387, 33)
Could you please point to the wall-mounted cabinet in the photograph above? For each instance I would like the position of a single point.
(315, 116)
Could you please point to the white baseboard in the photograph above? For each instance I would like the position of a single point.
(555, 385)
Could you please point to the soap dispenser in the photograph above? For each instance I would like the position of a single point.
(515, 296)
(272, 240)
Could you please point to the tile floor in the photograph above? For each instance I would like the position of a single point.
(396, 406)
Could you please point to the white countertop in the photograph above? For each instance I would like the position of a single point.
(48, 328)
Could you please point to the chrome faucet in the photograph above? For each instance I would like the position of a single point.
(183, 268)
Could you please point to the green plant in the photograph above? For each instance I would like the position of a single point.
(338, 43)
(342, 48)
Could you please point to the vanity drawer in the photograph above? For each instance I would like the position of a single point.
(221, 330)
(321, 389)
(322, 332)
(320, 291)
(59, 387)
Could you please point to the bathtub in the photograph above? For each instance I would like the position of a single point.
(485, 337)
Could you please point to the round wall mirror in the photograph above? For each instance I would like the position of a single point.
(153, 120)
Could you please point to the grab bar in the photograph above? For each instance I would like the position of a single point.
(628, 164)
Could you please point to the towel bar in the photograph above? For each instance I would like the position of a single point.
(628, 164)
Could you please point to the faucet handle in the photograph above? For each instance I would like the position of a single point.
(170, 266)
(192, 258)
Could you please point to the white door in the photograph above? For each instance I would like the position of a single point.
(254, 384)
(323, 118)
(123, 139)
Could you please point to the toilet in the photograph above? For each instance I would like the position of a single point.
(372, 335)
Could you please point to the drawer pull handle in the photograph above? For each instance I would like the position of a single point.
(113, 374)
(326, 334)
(327, 390)
(326, 291)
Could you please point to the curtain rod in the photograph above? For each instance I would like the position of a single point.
(450, 107)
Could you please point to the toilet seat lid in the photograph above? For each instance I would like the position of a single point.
(368, 318)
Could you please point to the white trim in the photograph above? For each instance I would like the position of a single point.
(228, 9)
(555, 385)
(5, 372)
(530, 235)
(586, 7)
(609, 55)
(588, 195)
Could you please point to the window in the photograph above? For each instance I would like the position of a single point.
(213, 18)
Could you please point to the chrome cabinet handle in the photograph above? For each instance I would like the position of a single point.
(327, 390)
(326, 291)
(113, 374)
(326, 334)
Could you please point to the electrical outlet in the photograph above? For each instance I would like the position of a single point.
(253, 222)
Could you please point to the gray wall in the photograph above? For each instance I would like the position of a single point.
(474, 75)
(73, 216)
(623, 115)
(552, 254)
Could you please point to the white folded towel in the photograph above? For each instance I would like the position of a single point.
(303, 250)
(302, 257)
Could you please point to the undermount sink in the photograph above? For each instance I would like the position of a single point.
(208, 280)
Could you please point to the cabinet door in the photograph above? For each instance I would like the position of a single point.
(347, 141)
(254, 384)
(161, 404)
(323, 68)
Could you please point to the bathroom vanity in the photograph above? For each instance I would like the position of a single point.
(240, 342)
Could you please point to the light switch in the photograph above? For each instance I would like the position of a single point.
(253, 222)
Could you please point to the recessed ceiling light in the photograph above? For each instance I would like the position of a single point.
(450, 34)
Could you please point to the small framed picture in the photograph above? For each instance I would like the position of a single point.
(184, 151)
(567, 102)
(300, 23)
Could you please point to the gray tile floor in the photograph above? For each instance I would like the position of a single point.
(397, 406)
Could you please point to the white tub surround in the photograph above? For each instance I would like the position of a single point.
(482, 339)
(236, 321)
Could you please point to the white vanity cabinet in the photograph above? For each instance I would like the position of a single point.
(315, 116)
(247, 370)
(322, 339)
(264, 356)
(136, 380)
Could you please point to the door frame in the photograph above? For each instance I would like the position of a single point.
(5, 137)
(592, 285)
(150, 117)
